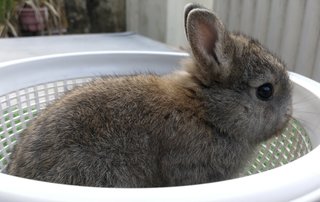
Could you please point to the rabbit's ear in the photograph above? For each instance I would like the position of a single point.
(189, 7)
(207, 37)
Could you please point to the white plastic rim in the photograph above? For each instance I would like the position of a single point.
(298, 180)
(49, 68)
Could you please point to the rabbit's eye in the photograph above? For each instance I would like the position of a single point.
(265, 92)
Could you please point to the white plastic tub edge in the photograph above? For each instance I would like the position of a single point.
(292, 181)
(281, 184)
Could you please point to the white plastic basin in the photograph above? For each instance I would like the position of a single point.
(298, 180)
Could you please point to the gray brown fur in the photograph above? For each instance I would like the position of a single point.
(193, 126)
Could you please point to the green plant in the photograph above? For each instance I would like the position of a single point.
(6, 11)
(5, 5)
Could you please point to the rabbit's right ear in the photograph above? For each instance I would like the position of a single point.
(187, 9)
(207, 37)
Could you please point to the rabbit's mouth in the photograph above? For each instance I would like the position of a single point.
(283, 119)
(286, 118)
(273, 129)
(283, 124)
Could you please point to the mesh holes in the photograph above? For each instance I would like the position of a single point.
(17, 108)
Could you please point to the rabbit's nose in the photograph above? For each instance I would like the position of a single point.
(289, 110)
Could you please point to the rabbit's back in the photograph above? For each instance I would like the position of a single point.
(101, 134)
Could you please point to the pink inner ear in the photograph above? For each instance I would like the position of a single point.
(207, 37)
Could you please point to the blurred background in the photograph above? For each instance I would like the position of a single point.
(289, 28)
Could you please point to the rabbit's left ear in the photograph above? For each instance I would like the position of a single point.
(207, 37)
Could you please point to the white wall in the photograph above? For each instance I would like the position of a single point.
(289, 28)
(147, 17)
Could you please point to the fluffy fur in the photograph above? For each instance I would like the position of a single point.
(193, 126)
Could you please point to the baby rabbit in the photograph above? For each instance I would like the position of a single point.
(196, 125)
